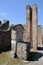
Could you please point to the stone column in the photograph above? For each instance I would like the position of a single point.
(28, 23)
(13, 43)
(34, 26)
(39, 35)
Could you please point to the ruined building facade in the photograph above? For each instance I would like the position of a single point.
(31, 25)
(5, 34)
(19, 36)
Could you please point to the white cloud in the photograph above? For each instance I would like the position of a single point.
(3, 14)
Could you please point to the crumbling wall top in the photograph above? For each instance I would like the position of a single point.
(13, 26)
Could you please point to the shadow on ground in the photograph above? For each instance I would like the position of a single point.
(5, 49)
(40, 48)
(34, 56)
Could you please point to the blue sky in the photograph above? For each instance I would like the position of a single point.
(15, 10)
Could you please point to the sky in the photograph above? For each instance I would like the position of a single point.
(15, 10)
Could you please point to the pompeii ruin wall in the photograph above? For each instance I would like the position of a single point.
(30, 33)
(39, 35)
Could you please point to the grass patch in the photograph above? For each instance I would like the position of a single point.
(3, 57)
(15, 62)
(6, 60)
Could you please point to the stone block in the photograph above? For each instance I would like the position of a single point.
(12, 54)
(13, 46)
(13, 34)
(23, 50)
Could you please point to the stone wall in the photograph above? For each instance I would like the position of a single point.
(24, 35)
(24, 50)
(5, 35)
(5, 25)
(19, 32)
(39, 35)
(6, 38)
(16, 36)
(13, 34)
(13, 43)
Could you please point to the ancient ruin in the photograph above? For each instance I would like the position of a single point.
(39, 35)
(21, 38)
(5, 35)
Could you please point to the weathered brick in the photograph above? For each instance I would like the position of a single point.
(28, 23)
(19, 32)
(39, 35)
(34, 26)
(24, 50)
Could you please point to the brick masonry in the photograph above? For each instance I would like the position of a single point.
(24, 50)
(34, 26)
(28, 23)
(31, 25)
(16, 36)
(5, 35)
(13, 43)
(39, 35)
(19, 32)
(19, 35)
